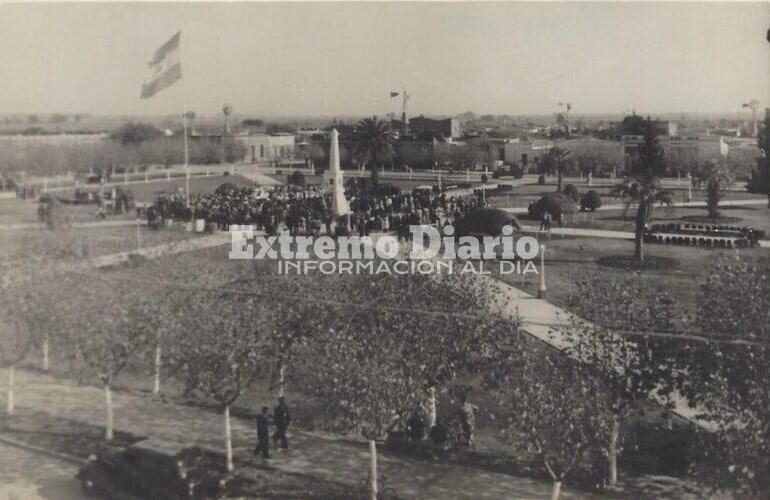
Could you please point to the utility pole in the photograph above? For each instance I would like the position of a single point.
(405, 98)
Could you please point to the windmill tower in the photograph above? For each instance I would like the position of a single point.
(753, 105)
(227, 110)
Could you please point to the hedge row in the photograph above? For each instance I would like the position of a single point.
(699, 241)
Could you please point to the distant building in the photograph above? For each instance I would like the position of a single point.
(494, 147)
(266, 148)
(634, 125)
(422, 126)
(682, 149)
(526, 153)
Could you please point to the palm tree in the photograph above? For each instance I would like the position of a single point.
(642, 187)
(372, 141)
(760, 176)
(716, 176)
(554, 160)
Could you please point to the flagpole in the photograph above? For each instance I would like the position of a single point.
(186, 156)
(182, 53)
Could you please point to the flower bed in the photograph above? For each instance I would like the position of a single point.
(703, 235)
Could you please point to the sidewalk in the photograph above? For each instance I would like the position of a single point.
(331, 459)
(26, 226)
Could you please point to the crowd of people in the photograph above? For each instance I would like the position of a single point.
(413, 428)
(308, 210)
(452, 433)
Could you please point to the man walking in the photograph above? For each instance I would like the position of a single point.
(281, 419)
(467, 414)
(263, 434)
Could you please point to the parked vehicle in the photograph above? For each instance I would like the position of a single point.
(154, 469)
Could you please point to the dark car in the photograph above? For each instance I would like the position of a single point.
(153, 469)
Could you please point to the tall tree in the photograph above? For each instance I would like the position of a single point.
(99, 318)
(717, 178)
(372, 142)
(226, 356)
(632, 371)
(555, 161)
(642, 187)
(133, 134)
(553, 409)
(729, 377)
(760, 177)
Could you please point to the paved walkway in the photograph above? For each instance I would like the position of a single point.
(25, 475)
(26, 226)
(330, 459)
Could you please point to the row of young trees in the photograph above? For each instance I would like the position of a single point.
(138, 149)
(372, 349)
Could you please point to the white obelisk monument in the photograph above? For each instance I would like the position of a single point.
(333, 178)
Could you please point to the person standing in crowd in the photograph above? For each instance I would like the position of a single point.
(263, 434)
(467, 414)
(281, 419)
(439, 433)
(415, 427)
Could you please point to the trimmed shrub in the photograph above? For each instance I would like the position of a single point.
(51, 212)
(591, 201)
(556, 204)
(386, 189)
(541, 180)
(485, 221)
(571, 191)
(226, 188)
(297, 178)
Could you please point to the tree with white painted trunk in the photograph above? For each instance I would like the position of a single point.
(101, 321)
(16, 336)
(730, 382)
(226, 356)
(554, 410)
(363, 381)
(291, 330)
(633, 369)
(372, 367)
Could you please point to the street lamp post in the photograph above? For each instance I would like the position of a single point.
(541, 291)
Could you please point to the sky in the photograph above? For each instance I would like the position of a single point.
(334, 59)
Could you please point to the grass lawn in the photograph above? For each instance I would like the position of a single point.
(571, 259)
(78, 243)
(25, 211)
(523, 194)
(757, 217)
(146, 193)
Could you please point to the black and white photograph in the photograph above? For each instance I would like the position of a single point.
(383, 250)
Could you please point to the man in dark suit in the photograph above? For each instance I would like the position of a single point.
(281, 419)
(263, 433)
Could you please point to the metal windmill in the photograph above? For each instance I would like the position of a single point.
(753, 105)
(227, 110)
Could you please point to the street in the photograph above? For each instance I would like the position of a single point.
(25, 475)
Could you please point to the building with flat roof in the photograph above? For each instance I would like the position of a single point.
(525, 153)
(682, 149)
(446, 128)
(267, 147)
